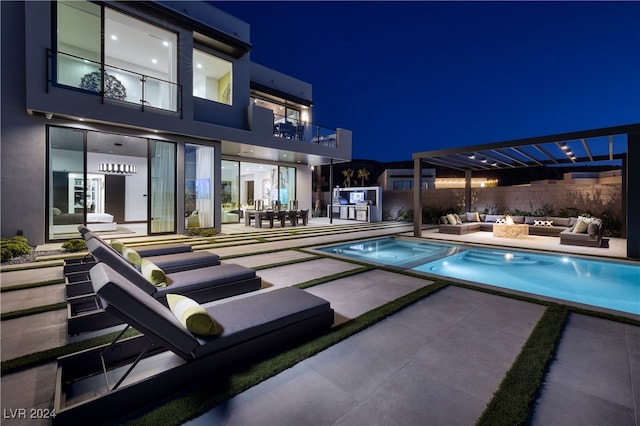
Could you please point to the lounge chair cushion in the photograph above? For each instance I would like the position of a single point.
(155, 275)
(192, 316)
(241, 320)
(132, 256)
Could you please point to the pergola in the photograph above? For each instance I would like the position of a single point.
(588, 146)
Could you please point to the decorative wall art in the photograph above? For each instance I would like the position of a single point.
(113, 88)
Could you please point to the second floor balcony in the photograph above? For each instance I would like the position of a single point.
(288, 128)
(112, 82)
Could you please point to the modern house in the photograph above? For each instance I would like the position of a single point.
(147, 114)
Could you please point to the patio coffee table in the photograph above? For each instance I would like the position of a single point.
(504, 230)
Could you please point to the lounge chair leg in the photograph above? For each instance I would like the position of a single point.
(133, 365)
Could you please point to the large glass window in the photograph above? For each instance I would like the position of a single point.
(140, 59)
(198, 191)
(66, 182)
(163, 199)
(79, 46)
(212, 78)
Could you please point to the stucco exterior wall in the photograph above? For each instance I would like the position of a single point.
(593, 198)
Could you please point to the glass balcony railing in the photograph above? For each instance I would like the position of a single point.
(114, 82)
(290, 128)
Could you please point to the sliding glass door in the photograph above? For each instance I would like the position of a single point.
(67, 194)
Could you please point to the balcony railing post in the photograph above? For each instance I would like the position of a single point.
(143, 100)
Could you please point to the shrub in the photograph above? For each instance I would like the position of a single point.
(15, 246)
(6, 254)
(405, 215)
(208, 232)
(74, 245)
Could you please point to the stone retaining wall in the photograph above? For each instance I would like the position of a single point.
(593, 198)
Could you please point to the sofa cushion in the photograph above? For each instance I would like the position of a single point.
(451, 218)
(560, 221)
(518, 219)
(529, 220)
(472, 217)
(594, 228)
(493, 217)
(458, 220)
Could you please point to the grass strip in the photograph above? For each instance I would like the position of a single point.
(32, 285)
(284, 263)
(44, 263)
(333, 277)
(32, 360)
(512, 401)
(179, 410)
(32, 311)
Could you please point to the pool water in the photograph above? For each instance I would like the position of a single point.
(607, 284)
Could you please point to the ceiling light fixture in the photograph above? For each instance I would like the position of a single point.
(472, 156)
(484, 160)
(117, 169)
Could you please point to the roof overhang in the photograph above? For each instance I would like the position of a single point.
(588, 146)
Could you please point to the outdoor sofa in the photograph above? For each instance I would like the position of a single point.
(167, 357)
(85, 313)
(592, 237)
(547, 226)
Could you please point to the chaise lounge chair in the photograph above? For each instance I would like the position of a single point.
(85, 313)
(144, 369)
(82, 265)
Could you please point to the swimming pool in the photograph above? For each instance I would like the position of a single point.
(607, 284)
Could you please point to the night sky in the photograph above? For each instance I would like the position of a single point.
(407, 77)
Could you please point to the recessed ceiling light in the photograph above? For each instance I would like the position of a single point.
(114, 37)
(199, 65)
(165, 43)
(155, 61)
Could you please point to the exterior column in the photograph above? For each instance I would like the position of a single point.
(633, 203)
(417, 197)
(467, 190)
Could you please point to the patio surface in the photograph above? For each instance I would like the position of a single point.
(438, 361)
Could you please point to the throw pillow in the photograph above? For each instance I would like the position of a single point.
(132, 256)
(154, 274)
(117, 245)
(594, 228)
(451, 218)
(548, 223)
(472, 217)
(457, 218)
(192, 316)
(56, 211)
(501, 220)
(581, 227)
(537, 222)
